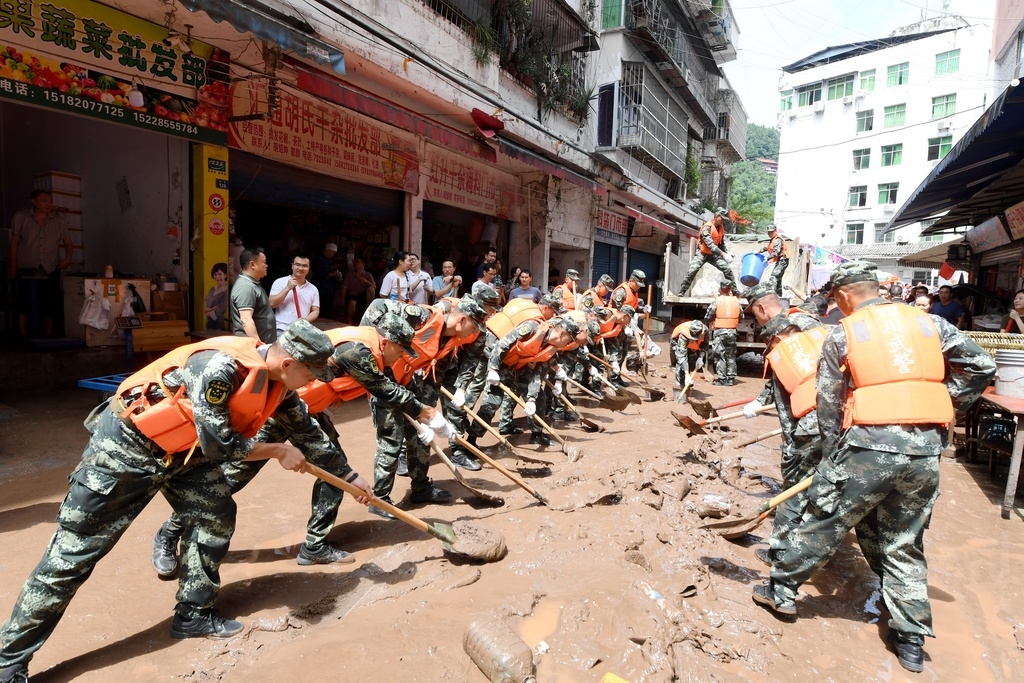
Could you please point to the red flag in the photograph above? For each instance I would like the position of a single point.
(946, 271)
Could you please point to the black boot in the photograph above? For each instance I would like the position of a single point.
(908, 648)
(165, 554)
(540, 438)
(381, 513)
(431, 494)
(17, 673)
(206, 624)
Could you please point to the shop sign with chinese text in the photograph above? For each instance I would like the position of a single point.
(83, 57)
(459, 181)
(310, 133)
(611, 227)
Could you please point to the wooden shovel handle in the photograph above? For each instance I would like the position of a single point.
(759, 437)
(588, 392)
(340, 483)
(480, 421)
(733, 416)
(496, 465)
(647, 321)
(786, 495)
(540, 421)
(602, 361)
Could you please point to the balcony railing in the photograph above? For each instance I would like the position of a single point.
(717, 24)
(652, 125)
(730, 129)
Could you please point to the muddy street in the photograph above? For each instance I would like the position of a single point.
(613, 576)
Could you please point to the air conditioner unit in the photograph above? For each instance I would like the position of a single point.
(935, 162)
(945, 125)
(847, 100)
(889, 208)
(819, 107)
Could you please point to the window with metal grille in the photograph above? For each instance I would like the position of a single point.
(899, 74)
(943, 106)
(947, 62)
(896, 115)
(652, 124)
(865, 120)
(861, 159)
(939, 147)
(867, 80)
(887, 192)
(858, 196)
(840, 87)
(892, 155)
(855, 233)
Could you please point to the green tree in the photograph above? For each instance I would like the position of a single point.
(752, 195)
(762, 142)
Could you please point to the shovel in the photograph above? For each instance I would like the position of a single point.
(494, 500)
(611, 402)
(505, 445)
(706, 410)
(493, 463)
(572, 452)
(759, 437)
(488, 551)
(587, 424)
(647, 327)
(694, 427)
(619, 391)
(735, 528)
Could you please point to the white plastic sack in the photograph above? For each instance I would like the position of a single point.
(95, 312)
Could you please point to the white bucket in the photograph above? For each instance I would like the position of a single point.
(1010, 373)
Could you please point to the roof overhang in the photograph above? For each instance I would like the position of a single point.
(932, 257)
(979, 178)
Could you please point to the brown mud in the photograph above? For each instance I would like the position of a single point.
(615, 576)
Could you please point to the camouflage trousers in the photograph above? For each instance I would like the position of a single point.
(800, 455)
(494, 398)
(723, 351)
(888, 498)
(326, 499)
(684, 359)
(775, 279)
(616, 353)
(119, 474)
(698, 260)
(395, 433)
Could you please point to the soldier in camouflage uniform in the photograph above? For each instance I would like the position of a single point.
(801, 442)
(488, 297)
(776, 253)
(711, 241)
(880, 478)
(350, 358)
(684, 358)
(599, 295)
(616, 347)
(122, 470)
(723, 337)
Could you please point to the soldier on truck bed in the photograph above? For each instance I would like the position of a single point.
(712, 250)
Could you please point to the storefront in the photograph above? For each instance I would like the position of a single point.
(646, 248)
(98, 110)
(610, 231)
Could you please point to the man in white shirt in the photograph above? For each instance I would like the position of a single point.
(293, 297)
(419, 282)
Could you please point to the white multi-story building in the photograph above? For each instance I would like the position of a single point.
(1008, 43)
(863, 124)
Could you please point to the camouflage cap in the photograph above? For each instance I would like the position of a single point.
(772, 228)
(776, 325)
(758, 292)
(553, 301)
(639, 276)
(814, 304)
(601, 312)
(572, 274)
(854, 271)
(593, 329)
(567, 324)
(415, 315)
(628, 310)
(696, 328)
(308, 345)
(722, 211)
(486, 295)
(473, 308)
(606, 280)
(395, 329)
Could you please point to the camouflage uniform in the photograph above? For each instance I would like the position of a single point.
(715, 258)
(880, 479)
(776, 245)
(591, 299)
(121, 471)
(683, 358)
(723, 346)
(801, 442)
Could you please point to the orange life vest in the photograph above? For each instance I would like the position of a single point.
(512, 315)
(321, 395)
(594, 298)
(717, 233)
(169, 423)
(683, 330)
(783, 254)
(794, 360)
(895, 358)
(610, 328)
(532, 349)
(631, 298)
(727, 312)
(426, 342)
(568, 298)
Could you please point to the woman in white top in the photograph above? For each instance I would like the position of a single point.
(395, 285)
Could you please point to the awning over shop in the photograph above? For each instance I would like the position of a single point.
(650, 220)
(932, 257)
(511, 149)
(980, 177)
(273, 22)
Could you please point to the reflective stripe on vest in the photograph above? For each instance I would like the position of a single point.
(321, 395)
(895, 358)
(717, 233)
(794, 360)
(727, 313)
(512, 315)
(530, 350)
(631, 297)
(169, 423)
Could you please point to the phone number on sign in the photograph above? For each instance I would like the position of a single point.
(84, 103)
(150, 120)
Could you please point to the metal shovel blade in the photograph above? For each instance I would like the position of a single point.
(702, 408)
(688, 423)
(735, 528)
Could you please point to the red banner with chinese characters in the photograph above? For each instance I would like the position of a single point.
(462, 182)
(302, 130)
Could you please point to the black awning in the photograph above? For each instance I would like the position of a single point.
(287, 30)
(982, 175)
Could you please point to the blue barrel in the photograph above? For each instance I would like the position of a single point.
(753, 266)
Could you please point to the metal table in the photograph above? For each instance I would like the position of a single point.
(1013, 405)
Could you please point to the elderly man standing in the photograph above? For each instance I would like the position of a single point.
(890, 381)
(294, 297)
(711, 244)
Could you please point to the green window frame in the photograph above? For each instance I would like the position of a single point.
(898, 74)
(887, 192)
(947, 62)
(865, 121)
(867, 80)
(861, 159)
(808, 95)
(858, 196)
(892, 155)
(840, 87)
(939, 147)
(896, 115)
(943, 106)
(882, 239)
(786, 100)
(611, 13)
(855, 233)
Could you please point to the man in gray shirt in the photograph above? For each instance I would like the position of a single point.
(251, 314)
